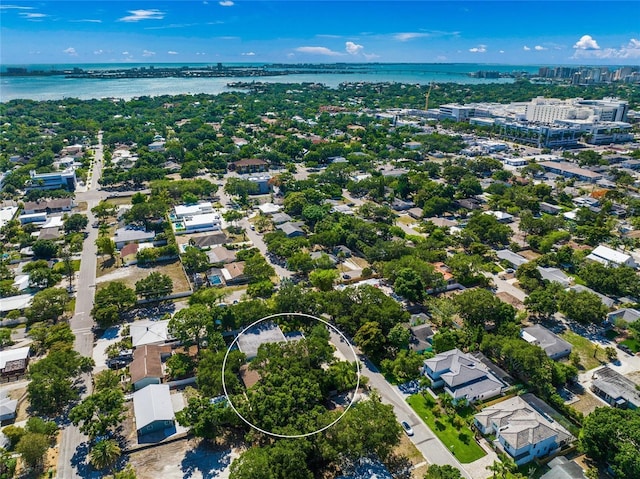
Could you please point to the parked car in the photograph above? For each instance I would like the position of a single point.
(407, 428)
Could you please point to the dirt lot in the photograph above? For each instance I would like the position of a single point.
(587, 403)
(406, 448)
(191, 458)
(530, 255)
(130, 274)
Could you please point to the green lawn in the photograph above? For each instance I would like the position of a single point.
(633, 343)
(585, 348)
(464, 445)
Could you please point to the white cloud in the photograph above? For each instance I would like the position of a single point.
(586, 42)
(501, 51)
(14, 7)
(125, 53)
(539, 48)
(353, 48)
(171, 52)
(478, 49)
(70, 51)
(226, 3)
(98, 52)
(147, 53)
(248, 54)
(406, 36)
(370, 56)
(33, 16)
(86, 20)
(526, 48)
(138, 15)
(318, 51)
(630, 50)
(200, 53)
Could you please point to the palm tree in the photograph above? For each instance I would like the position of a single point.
(105, 453)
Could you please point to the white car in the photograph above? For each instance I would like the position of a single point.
(407, 428)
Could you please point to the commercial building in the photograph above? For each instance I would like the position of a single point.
(570, 170)
(65, 180)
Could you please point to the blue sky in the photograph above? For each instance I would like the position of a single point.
(515, 32)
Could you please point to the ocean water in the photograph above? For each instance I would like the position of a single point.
(58, 87)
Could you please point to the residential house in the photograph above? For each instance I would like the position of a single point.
(149, 332)
(8, 407)
(344, 209)
(291, 230)
(128, 254)
(421, 338)
(52, 234)
(153, 409)
(233, 273)
(262, 182)
(207, 241)
(125, 236)
(33, 218)
(469, 204)
(549, 208)
(606, 300)
(157, 146)
(15, 303)
(197, 223)
(416, 213)
(522, 428)
(184, 211)
(614, 388)
(250, 165)
(14, 362)
(262, 333)
(514, 259)
(280, 218)
(146, 367)
(401, 205)
(563, 468)
(610, 257)
(463, 377)
(447, 276)
(570, 170)
(269, 208)
(554, 346)
(316, 255)
(554, 275)
(7, 213)
(501, 216)
(628, 315)
(221, 255)
(49, 205)
(346, 252)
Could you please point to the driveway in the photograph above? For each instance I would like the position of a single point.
(259, 243)
(424, 439)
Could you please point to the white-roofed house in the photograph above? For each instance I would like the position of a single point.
(8, 407)
(149, 332)
(463, 377)
(523, 429)
(14, 361)
(153, 409)
(611, 257)
(514, 259)
(13, 303)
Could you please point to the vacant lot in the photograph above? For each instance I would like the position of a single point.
(130, 274)
(589, 357)
(461, 440)
(193, 459)
(587, 403)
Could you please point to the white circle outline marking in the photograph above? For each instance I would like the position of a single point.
(290, 436)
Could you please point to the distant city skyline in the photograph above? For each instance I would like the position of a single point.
(145, 31)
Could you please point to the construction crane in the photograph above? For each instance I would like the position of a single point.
(426, 97)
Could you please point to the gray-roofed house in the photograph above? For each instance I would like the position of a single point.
(628, 315)
(263, 333)
(555, 275)
(606, 300)
(207, 241)
(617, 390)
(220, 254)
(8, 408)
(554, 346)
(563, 468)
(279, 218)
(291, 230)
(125, 236)
(153, 409)
(463, 377)
(316, 255)
(514, 259)
(522, 428)
(400, 205)
(421, 338)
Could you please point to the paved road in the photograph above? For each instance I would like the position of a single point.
(424, 439)
(82, 323)
(259, 243)
(505, 286)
